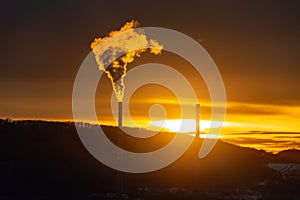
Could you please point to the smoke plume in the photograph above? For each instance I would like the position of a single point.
(130, 39)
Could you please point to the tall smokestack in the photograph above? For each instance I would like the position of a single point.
(197, 120)
(120, 114)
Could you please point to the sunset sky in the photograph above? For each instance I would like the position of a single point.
(255, 45)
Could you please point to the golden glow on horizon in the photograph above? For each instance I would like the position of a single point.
(241, 118)
(242, 121)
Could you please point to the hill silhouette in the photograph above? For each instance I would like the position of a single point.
(46, 160)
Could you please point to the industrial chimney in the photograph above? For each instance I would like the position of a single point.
(197, 120)
(120, 114)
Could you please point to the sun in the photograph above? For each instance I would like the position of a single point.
(185, 125)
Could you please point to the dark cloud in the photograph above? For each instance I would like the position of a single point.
(269, 133)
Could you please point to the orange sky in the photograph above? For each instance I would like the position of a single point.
(254, 44)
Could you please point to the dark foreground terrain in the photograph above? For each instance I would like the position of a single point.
(46, 160)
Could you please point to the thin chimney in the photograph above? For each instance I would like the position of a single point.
(120, 114)
(197, 120)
